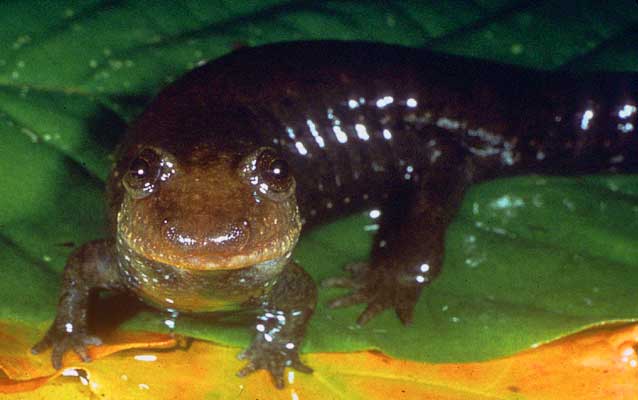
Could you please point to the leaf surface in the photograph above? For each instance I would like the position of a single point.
(529, 259)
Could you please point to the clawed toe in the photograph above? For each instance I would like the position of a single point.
(62, 342)
(349, 300)
(357, 270)
(371, 311)
(379, 288)
(301, 367)
(41, 346)
(338, 282)
(248, 369)
(358, 273)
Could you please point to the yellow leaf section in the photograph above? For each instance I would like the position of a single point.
(598, 364)
(24, 371)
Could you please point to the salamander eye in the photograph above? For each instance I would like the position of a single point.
(269, 173)
(274, 171)
(145, 172)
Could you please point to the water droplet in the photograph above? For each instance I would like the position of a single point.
(371, 228)
(473, 262)
(569, 204)
(390, 20)
(34, 138)
(145, 357)
(70, 372)
(516, 48)
(21, 41)
(116, 64)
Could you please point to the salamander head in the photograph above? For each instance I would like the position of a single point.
(212, 210)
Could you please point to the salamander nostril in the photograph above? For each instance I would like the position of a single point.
(233, 235)
(226, 236)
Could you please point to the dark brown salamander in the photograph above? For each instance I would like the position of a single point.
(204, 195)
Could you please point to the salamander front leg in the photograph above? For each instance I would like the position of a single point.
(281, 325)
(409, 247)
(91, 266)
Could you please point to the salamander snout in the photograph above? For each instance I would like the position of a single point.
(207, 232)
(233, 235)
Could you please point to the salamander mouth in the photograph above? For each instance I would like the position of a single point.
(261, 254)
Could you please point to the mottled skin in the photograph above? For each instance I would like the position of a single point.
(214, 180)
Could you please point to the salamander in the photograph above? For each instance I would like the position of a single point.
(216, 180)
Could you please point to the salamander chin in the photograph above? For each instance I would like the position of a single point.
(195, 290)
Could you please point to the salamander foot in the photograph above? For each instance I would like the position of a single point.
(273, 356)
(379, 288)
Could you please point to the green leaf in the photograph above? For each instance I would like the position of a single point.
(528, 259)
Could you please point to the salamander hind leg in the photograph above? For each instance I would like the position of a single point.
(405, 259)
(409, 247)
